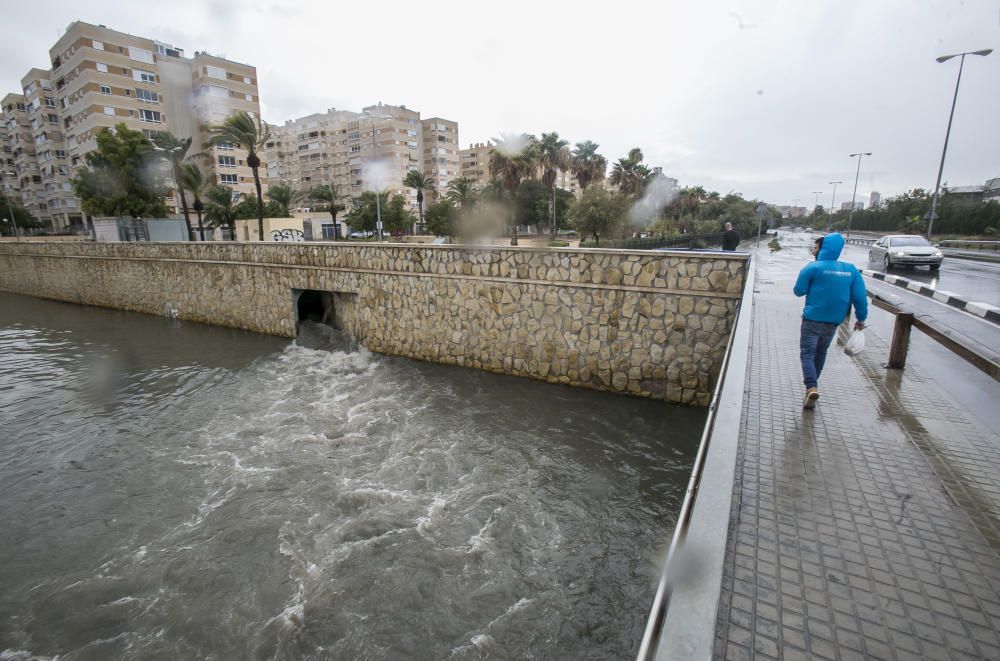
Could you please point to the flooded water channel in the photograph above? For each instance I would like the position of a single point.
(176, 491)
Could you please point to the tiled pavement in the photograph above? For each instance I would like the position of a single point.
(865, 529)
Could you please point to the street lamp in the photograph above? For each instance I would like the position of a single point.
(937, 186)
(855, 193)
(10, 207)
(817, 193)
(833, 201)
(378, 200)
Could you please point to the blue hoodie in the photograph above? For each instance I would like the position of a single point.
(830, 286)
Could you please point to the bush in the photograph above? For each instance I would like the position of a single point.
(558, 244)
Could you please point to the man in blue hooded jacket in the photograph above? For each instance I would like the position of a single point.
(830, 287)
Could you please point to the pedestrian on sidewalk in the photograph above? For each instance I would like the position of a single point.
(830, 287)
(730, 238)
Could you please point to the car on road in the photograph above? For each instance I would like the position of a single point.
(905, 250)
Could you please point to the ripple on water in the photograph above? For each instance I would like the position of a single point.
(251, 499)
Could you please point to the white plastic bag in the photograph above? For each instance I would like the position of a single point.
(855, 344)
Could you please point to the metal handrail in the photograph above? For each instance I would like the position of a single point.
(661, 600)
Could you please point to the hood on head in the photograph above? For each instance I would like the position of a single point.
(833, 245)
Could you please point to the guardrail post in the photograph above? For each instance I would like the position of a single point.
(900, 341)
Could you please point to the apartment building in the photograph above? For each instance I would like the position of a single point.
(100, 78)
(57, 205)
(442, 160)
(22, 177)
(475, 163)
(359, 151)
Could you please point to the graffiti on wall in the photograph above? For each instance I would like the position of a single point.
(288, 235)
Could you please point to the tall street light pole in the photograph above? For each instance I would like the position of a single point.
(817, 193)
(937, 186)
(378, 196)
(854, 195)
(833, 201)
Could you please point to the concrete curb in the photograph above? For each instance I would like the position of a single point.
(984, 310)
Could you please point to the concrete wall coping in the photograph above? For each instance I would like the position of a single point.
(705, 254)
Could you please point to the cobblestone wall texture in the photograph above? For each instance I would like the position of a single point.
(652, 324)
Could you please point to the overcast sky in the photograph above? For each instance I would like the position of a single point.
(761, 97)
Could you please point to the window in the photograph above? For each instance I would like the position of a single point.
(352, 125)
(248, 97)
(228, 179)
(215, 72)
(34, 125)
(354, 136)
(355, 148)
(105, 89)
(227, 161)
(147, 96)
(226, 146)
(50, 103)
(53, 118)
(248, 80)
(150, 116)
(102, 67)
(98, 45)
(140, 55)
(143, 76)
(108, 110)
(60, 153)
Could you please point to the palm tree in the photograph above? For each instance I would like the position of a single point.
(283, 195)
(588, 166)
(330, 195)
(630, 174)
(552, 155)
(420, 181)
(221, 208)
(512, 160)
(174, 151)
(194, 181)
(461, 192)
(241, 130)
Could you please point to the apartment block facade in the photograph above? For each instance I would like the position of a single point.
(100, 78)
(363, 151)
(475, 163)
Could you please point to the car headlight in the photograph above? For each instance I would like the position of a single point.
(937, 254)
(900, 254)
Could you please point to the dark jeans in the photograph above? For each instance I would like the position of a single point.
(813, 342)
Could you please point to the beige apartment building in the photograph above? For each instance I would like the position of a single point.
(361, 151)
(101, 78)
(22, 178)
(475, 163)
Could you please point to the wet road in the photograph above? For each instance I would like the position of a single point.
(177, 491)
(970, 279)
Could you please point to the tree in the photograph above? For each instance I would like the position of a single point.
(442, 219)
(283, 196)
(630, 174)
(552, 155)
(175, 151)
(587, 165)
(396, 218)
(461, 192)
(531, 203)
(248, 207)
(241, 130)
(511, 161)
(330, 195)
(120, 177)
(597, 212)
(193, 180)
(220, 208)
(418, 180)
(364, 215)
(22, 219)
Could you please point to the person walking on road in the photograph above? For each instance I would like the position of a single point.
(830, 287)
(730, 238)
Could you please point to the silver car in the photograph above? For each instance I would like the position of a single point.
(905, 250)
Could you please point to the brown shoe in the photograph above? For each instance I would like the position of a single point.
(811, 396)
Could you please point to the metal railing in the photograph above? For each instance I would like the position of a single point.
(680, 242)
(906, 319)
(661, 600)
(970, 245)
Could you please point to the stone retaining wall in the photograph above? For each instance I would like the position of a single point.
(652, 324)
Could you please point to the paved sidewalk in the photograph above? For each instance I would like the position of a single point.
(868, 528)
